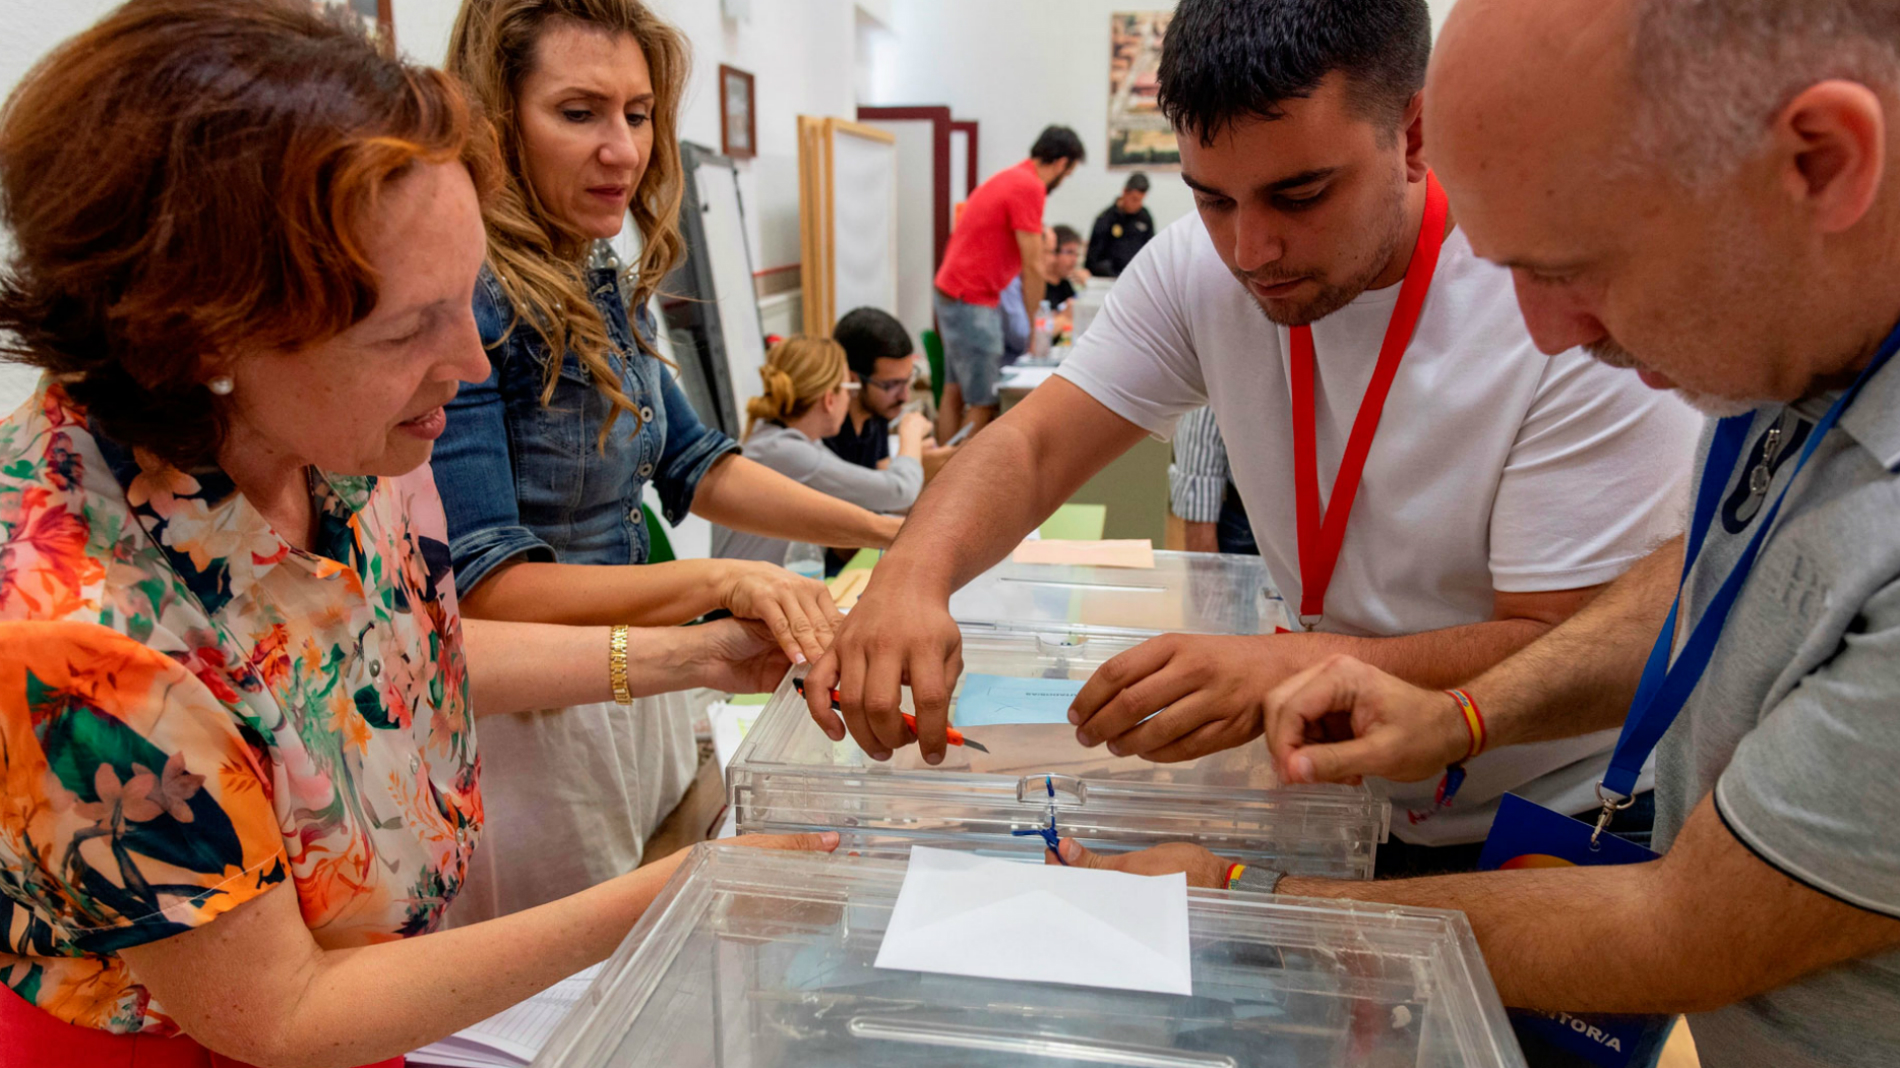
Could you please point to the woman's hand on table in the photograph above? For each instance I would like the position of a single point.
(912, 430)
(887, 527)
(1203, 869)
(803, 842)
(797, 611)
(935, 458)
(736, 655)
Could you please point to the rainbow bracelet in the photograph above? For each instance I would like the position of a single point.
(1474, 722)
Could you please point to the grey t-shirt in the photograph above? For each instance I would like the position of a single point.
(801, 459)
(1796, 725)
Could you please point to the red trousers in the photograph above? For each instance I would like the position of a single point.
(36, 1039)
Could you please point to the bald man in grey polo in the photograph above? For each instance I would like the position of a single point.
(1796, 724)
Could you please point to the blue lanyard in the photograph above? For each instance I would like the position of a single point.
(1665, 688)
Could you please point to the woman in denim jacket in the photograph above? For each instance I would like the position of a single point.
(543, 466)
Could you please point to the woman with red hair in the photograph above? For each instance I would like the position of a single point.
(239, 765)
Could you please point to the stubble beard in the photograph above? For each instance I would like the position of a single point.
(1610, 353)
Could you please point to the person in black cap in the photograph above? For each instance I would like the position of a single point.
(1122, 230)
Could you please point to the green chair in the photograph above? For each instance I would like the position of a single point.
(660, 549)
(1076, 522)
(933, 354)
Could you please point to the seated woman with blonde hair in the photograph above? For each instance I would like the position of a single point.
(807, 397)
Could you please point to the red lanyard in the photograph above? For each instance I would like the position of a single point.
(1320, 538)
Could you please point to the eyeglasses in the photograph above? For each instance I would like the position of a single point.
(887, 385)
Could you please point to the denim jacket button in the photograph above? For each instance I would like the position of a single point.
(646, 414)
(634, 516)
(645, 471)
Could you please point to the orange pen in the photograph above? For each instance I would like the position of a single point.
(952, 735)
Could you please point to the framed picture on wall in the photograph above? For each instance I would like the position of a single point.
(378, 17)
(1138, 134)
(738, 120)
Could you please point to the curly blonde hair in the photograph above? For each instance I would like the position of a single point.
(540, 263)
(798, 373)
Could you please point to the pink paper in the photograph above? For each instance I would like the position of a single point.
(1133, 553)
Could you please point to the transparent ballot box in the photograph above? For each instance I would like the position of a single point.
(752, 959)
(1194, 593)
(787, 776)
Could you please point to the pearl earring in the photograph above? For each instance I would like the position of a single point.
(221, 385)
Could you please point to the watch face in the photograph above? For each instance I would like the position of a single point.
(1117, 231)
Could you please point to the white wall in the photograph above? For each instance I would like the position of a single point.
(33, 27)
(1017, 67)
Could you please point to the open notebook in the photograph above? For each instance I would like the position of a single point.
(510, 1038)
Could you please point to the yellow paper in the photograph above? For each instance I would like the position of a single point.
(848, 587)
(1134, 553)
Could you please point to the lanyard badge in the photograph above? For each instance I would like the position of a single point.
(1321, 535)
(1528, 835)
(1665, 687)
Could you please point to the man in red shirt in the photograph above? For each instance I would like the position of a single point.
(998, 237)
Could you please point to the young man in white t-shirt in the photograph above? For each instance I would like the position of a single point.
(1502, 489)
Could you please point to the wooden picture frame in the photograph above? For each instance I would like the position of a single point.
(377, 17)
(1140, 137)
(738, 114)
(817, 200)
(941, 123)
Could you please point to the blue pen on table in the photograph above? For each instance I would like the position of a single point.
(1051, 837)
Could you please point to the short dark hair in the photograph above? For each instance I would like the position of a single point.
(1057, 143)
(1225, 60)
(869, 335)
(1137, 183)
(1067, 235)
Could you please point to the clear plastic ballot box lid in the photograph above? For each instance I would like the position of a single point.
(1193, 593)
(787, 776)
(756, 959)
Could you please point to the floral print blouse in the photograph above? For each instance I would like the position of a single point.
(192, 712)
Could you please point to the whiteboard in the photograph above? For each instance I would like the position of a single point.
(864, 223)
(847, 219)
(730, 261)
(916, 223)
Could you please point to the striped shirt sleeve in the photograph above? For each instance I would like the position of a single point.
(1198, 477)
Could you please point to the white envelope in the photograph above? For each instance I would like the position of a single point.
(963, 914)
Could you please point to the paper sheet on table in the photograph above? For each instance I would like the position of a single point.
(963, 914)
(1132, 553)
(730, 724)
(990, 700)
(512, 1037)
(848, 587)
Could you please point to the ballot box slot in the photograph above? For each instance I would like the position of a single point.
(1059, 584)
(1065, 1048)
